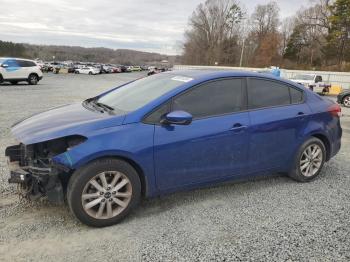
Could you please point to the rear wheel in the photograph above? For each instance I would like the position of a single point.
(309, 160)
(33, 79)
(90, 73)
(346, 101)
(103, 192)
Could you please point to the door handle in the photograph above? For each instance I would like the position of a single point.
(238, 127)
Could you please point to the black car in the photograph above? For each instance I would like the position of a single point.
(344, 98)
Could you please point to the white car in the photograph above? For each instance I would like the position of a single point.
(16, 70)
(311, 81)
(87, 70)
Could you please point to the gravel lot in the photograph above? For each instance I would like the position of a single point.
(271, 218)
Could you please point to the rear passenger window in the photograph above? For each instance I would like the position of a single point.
(212, 99)
(296, 96)
(265, 93)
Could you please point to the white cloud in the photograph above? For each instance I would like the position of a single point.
(152, 25)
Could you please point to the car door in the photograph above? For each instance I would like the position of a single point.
(213, 146)
(12, 69)
(278, 116)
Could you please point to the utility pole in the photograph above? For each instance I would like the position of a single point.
(241, 59)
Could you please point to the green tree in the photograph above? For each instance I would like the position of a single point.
(338, 39)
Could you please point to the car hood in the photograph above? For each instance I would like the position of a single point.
(62, 121)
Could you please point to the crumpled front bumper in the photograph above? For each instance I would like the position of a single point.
(34, 182)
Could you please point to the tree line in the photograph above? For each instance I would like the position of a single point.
(77, 53)
(221, 32)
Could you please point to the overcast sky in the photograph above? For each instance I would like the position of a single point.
(148, 25)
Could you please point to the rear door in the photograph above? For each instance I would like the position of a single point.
(214, 146)
(278, 116)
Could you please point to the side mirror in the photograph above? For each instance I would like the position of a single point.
(4, 65)
(177, 118)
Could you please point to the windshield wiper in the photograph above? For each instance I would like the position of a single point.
(103, 106)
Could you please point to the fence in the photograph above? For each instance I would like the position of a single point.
(334, 78)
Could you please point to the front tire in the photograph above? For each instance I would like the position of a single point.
(33, 79)
(346, 101)
(309, 160)
(103, 192)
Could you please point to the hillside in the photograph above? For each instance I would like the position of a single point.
(77, 53)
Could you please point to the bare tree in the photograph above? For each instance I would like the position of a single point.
(213, 30)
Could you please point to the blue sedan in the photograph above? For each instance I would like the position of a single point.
(169, 132)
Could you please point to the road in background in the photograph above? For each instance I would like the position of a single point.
(272, 218)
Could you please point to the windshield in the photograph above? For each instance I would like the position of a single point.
(303, 77)
(136, 94)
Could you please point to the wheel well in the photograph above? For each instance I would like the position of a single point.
(33, 74)
(134, 165)
(345, 97)
(326, 143)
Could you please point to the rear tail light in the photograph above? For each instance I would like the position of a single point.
(335, 110)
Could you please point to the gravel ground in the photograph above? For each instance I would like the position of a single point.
(272, 218)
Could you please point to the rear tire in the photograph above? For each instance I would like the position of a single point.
(346, 101)
(33, 79)
(108, 204)
(309, 160)
(90, 73)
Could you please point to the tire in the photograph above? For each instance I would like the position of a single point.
(1, 79)
(346, 101)
(33, 79)
(79, 185)
(14, 82)
(77, 72)
(302, 161)
(90, 73)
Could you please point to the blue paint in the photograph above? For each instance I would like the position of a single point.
(209, 150)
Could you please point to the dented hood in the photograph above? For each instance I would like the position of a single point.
(62, 121)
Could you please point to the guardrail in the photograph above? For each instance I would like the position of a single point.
(334, 78)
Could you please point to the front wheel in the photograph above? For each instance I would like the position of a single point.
(90, 73)
(309, 160)
(33, 79)
(103, 192)
(346, 101)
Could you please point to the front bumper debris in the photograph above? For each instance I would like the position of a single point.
(33, 181)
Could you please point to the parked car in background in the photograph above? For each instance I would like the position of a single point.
(87, 70)
(136, 68)
(16, 70)
(344, 98)
(312, 81)
(168, 132)
(116, 69)
(129, 69)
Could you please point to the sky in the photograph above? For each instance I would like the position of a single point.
(146, 25)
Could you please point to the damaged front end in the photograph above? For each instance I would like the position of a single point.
(32, 168)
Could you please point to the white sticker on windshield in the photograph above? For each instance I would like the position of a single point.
(182, 79)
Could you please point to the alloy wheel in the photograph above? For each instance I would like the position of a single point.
(33, 79)
(346, 101)
(311, 160)
(106, 195)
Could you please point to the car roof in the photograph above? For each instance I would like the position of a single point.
(16, 58)
(197, 74)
